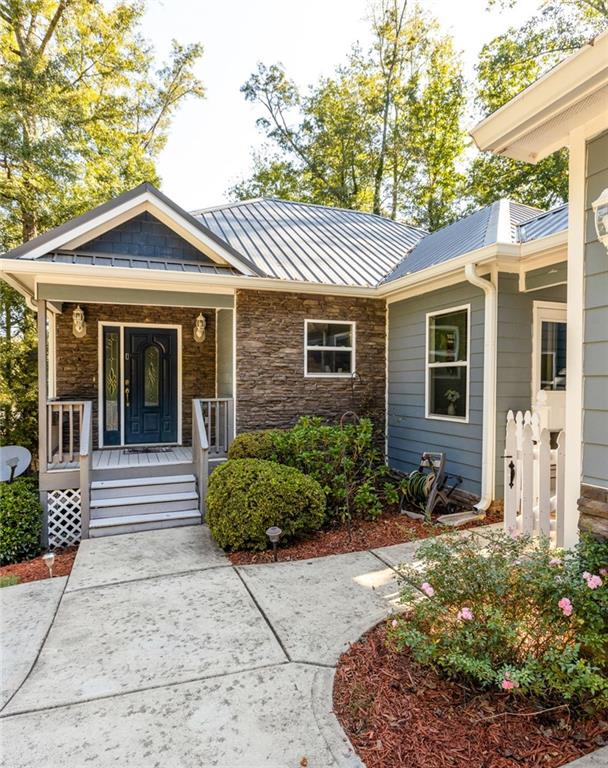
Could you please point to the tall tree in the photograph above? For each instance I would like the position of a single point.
(83, 116)
(82, 112)
(507, 65)
(358, 139)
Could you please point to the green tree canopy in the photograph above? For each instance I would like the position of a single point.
(83, 115)
(382, 134)
(507, 65)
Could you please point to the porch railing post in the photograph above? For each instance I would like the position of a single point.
(200, 453)
(86, 453)
(42, 423)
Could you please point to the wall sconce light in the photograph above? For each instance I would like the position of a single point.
(79, 327)
(200, 328)
(600, 214)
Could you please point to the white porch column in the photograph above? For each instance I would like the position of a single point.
(575, 325)
(42, 398)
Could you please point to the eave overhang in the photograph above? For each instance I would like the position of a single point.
(538, 121)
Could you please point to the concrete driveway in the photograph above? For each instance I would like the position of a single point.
(157, 652)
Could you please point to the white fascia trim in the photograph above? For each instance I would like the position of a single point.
(583, 72)
(485, 256)
(77, 274)
(490, 332)
(20, 288)
(146, 201)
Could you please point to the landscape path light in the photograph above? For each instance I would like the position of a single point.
(274, 533)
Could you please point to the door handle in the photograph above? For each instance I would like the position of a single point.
(127, 390)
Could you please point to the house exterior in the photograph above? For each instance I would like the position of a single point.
(568, 107)
(163, 333)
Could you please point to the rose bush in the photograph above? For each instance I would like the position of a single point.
(511, 613)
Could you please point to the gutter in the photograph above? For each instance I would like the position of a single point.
(488, 446)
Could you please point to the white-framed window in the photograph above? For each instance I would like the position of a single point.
(448, 335)
(329, 348)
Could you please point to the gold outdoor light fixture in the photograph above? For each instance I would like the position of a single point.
(79, 327)
(200, 328)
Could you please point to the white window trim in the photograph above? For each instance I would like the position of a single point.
(351, 349)
(548, 312)
(122, 325)
(461, 363)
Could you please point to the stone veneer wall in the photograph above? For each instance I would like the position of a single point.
(77, 362)
(271, 388)
(593, 508)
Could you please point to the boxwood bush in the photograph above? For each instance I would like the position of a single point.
(258, 444)
(20, 521)
(513, 615)
(343, 459)
(247, 496)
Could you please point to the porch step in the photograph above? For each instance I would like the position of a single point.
(112, 526)
(144, 504)
(142, 486)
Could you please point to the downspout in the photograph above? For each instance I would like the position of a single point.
(488, 445)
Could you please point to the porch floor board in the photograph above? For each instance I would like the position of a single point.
(117, 458)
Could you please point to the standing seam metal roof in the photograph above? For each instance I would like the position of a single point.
(501, 221)
(302, 241)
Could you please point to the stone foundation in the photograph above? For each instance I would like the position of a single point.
(271, 388)
(593, 508)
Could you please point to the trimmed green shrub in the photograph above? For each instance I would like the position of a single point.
(8, 581)
(345, 462)
(258, 444)
(247, 496)
(513, 614)
(20, 521)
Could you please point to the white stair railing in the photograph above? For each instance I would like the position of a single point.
(534, 478)
(219, 422)
(200, 452)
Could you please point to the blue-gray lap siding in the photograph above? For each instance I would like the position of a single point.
(514, 356)
(595, 344)
(409, 432)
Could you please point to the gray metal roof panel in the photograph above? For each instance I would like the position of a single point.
(467, 234)
(547, 223)
(136, 262)
(302, 241)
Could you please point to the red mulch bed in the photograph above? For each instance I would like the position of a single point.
(399, 713)
(35, 570)
(390, 528)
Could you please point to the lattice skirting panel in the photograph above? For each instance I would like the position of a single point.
(64, 517)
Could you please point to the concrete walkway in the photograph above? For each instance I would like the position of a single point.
(157, 652)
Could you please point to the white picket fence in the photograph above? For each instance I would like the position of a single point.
(534, 478)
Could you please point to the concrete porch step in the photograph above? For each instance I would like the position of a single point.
(143, 486)
(136, 523)
(146, 504)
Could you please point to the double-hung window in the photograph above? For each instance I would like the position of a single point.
(447, 364)
(329, 348)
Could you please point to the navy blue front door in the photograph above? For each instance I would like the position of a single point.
(150, 385)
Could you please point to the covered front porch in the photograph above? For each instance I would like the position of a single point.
(135, 405)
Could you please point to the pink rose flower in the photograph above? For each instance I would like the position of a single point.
(586, 575)
(508, 685)
(427, 589)
(465, 614)
(593, 582)
(394, 623)
(603, 571)
(566, 606)
(555, 561)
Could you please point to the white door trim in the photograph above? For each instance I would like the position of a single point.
(122, 325)
(543, 311)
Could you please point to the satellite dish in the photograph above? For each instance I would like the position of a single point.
(14, 460)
